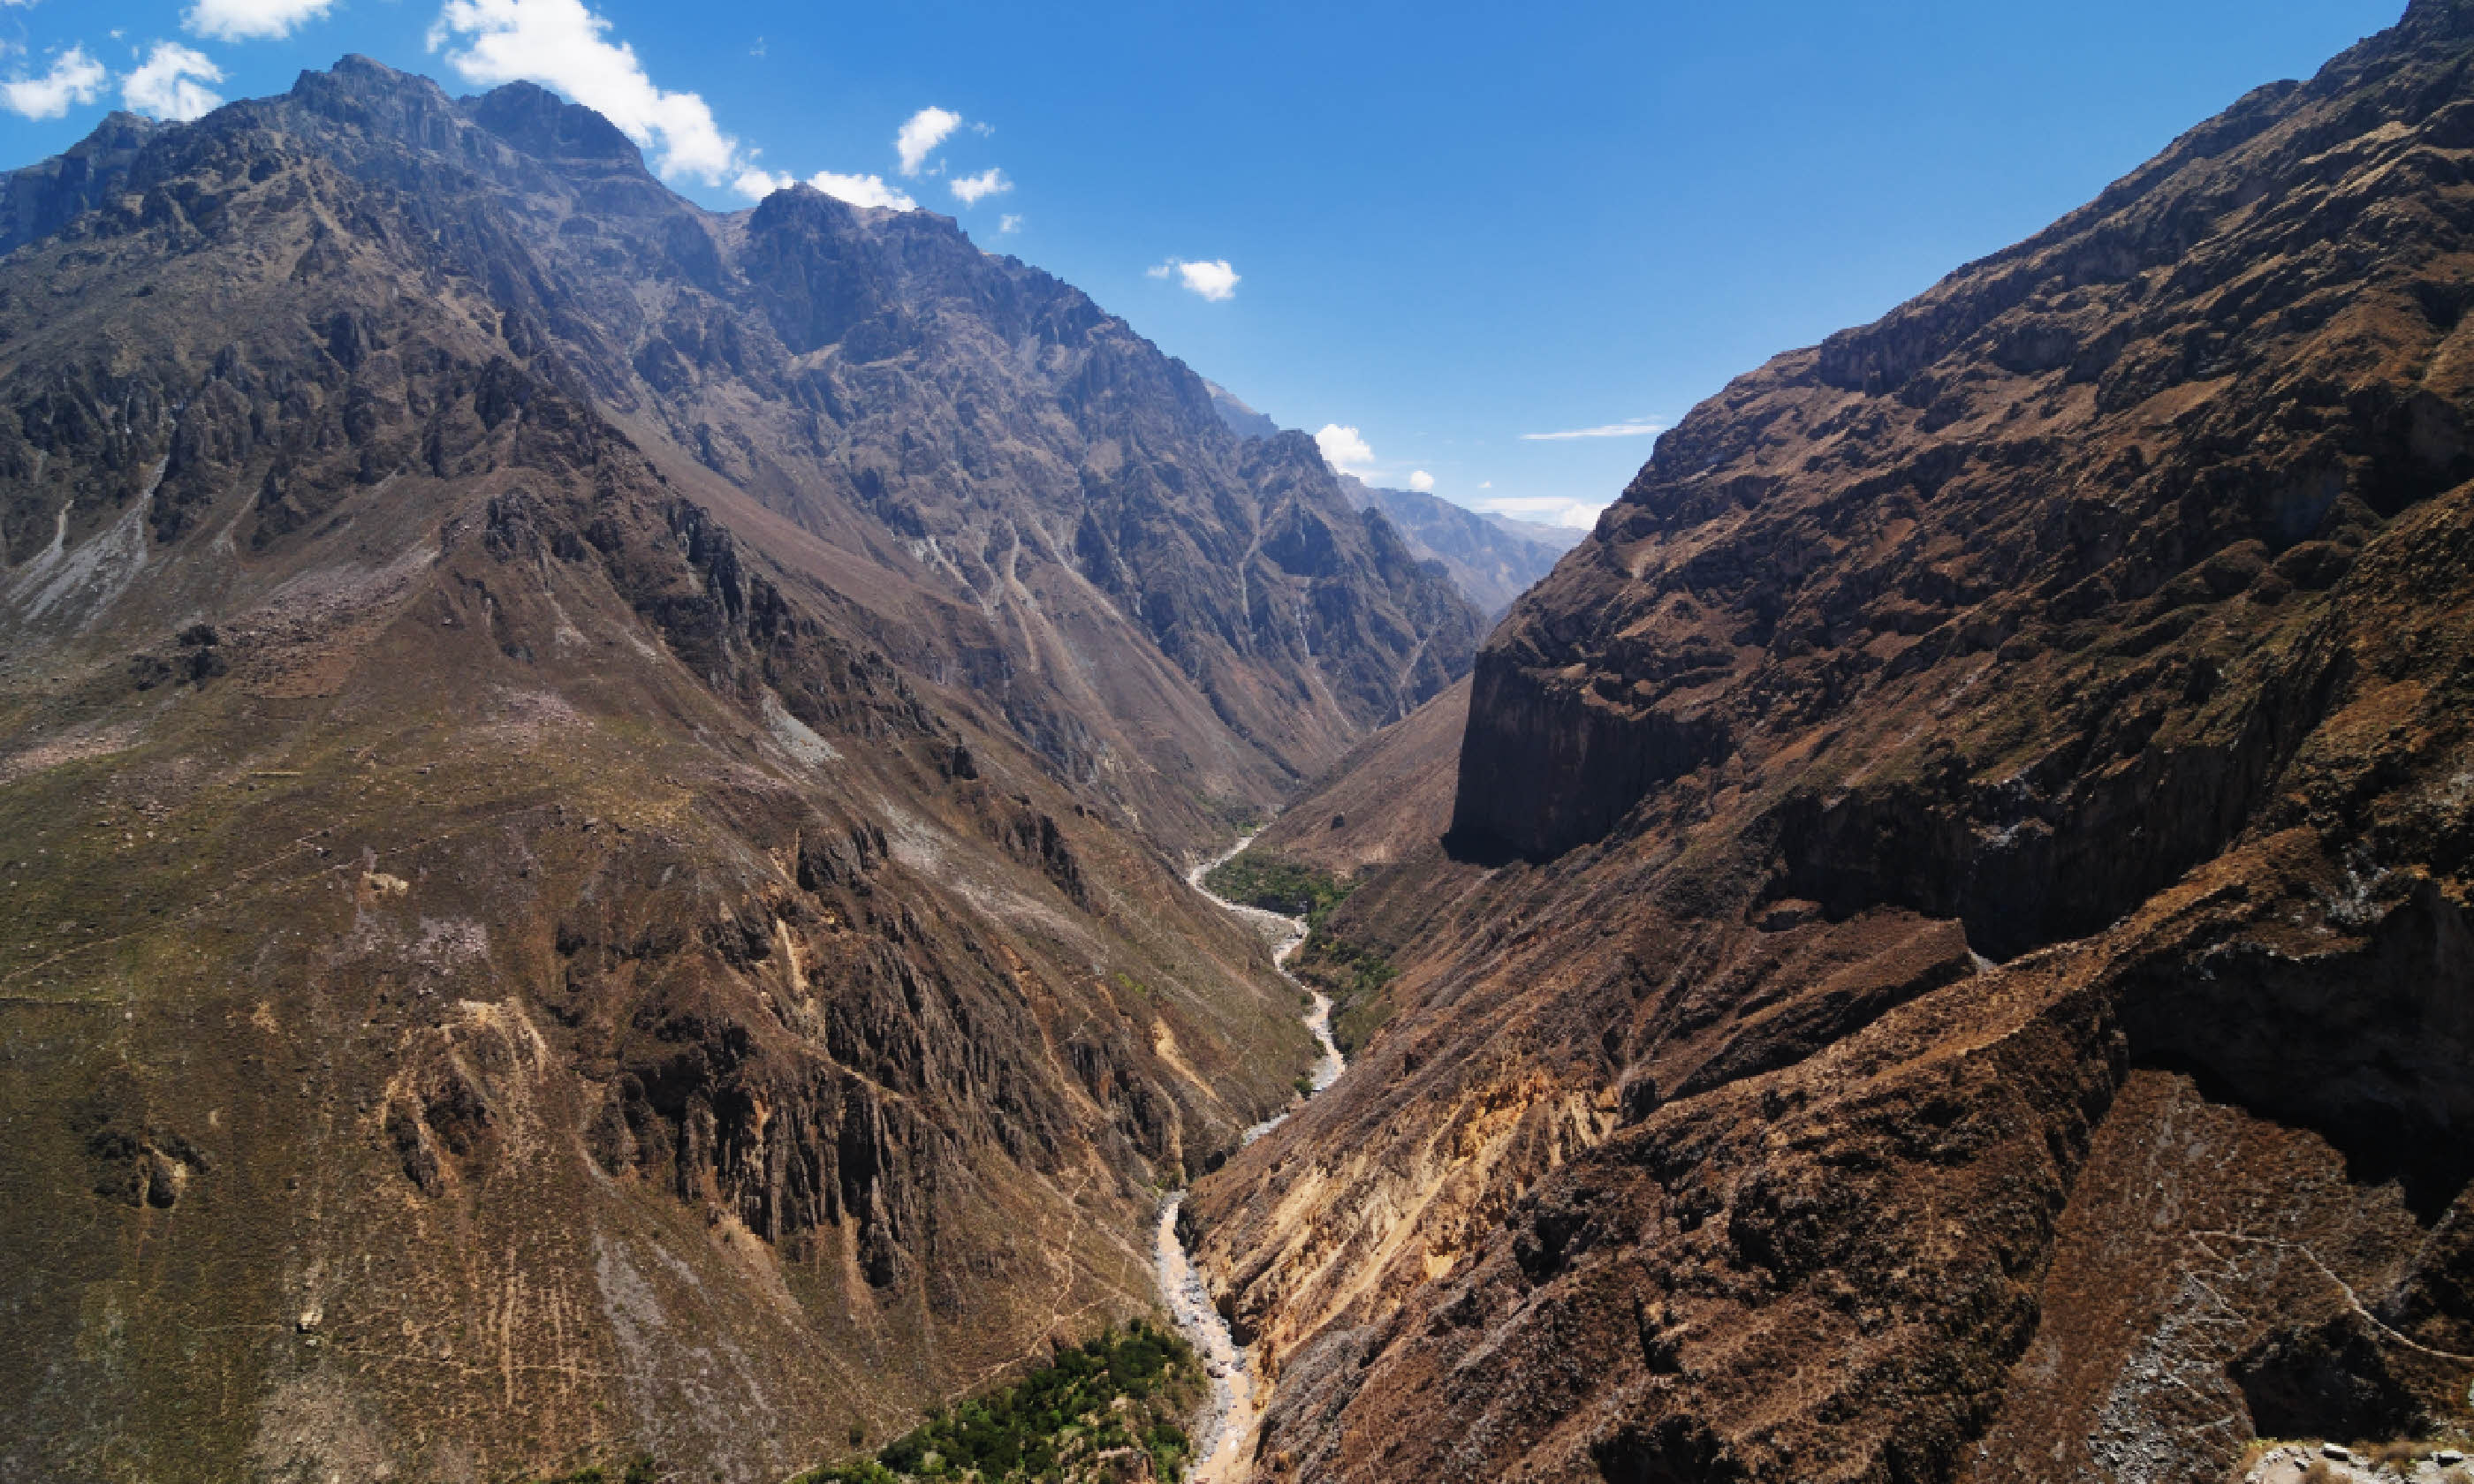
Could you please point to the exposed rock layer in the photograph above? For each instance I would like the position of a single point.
(1954, 961)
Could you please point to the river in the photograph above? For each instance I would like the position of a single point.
(1227, 1428)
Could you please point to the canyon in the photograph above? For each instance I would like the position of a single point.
(596, 795)
(606, 811)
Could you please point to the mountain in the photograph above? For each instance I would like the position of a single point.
(1489, 561)
(1236, 416)
(1951, 960)
(595, 797)
(1560, 538)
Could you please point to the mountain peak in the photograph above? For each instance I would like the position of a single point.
(540, 123)
(364, 93)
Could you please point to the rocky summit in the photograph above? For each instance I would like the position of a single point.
(595, 797)
(1940, 951)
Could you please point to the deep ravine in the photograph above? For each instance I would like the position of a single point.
(1221, 1438)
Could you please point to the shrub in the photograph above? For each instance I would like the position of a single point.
(1062, 1415)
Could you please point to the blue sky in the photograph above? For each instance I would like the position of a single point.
(1448, 228)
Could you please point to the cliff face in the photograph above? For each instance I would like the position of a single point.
(1954, 945)
(595, 797)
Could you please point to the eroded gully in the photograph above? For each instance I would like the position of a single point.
(1234, 1412)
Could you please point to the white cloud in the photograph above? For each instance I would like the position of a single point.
(756, 183)
(862, 190)
(74, 81)
(1486, 484)
(1545, 510)
(1631, 427)
(1345, 448)
(1422, 481)
(245, 21)
(970, 189)
(920, 133)
(1214, 280)
(560, 44)
(1008, 223)
(170, 84)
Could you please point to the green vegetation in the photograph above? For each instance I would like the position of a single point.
(1353, 974)
(1060, 1425)
(1355, 977)
(1278, 885)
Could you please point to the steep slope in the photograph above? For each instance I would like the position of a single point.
(1955, 961)
(569, 891)
(1390, 799)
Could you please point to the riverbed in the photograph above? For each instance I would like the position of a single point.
(1225, 1432)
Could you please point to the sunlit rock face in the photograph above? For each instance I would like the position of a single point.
(1946, 952)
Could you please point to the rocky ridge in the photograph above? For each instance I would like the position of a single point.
(595, 798)
(1950, 961)
(1490, 559)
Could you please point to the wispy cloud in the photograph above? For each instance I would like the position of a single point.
(1636, 427)
(250, 20)
(1214, 280)
(171, 84)
(920, 133)
(74, 81)
(970, 190)
(560, 44)
(1008, 223)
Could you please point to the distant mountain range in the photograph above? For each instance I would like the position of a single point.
(1494, 559)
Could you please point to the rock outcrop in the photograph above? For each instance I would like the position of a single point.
(1952, 957)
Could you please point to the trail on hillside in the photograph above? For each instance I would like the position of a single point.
(1235, 1410)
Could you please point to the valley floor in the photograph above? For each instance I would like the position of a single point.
(1222, 1436)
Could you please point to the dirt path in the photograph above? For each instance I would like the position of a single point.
(1225, 1435)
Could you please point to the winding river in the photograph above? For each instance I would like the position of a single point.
(1229, 1425)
